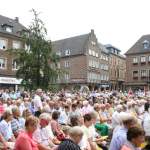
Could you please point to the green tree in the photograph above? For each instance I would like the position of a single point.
(37, 63)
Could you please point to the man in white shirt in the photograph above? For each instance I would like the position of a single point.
(37, 102)
(44, 133)
(115, 116)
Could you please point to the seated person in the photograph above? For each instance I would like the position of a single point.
(44, 134)
(5, 126)
(135, 137)
(18, 122)
(75, 134)
(56, 128)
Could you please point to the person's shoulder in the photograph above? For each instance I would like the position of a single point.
(3, 123)
(67, 143)
(23, 136)
(124, 147)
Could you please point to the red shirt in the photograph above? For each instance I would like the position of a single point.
(1, 109)
(25, 142)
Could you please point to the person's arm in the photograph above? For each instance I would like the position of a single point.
(2, 140)
(42, 147)
(92, 144)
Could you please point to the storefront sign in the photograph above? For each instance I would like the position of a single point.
(7, 80)
(77, 80)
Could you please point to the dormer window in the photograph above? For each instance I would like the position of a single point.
(8, 29)
(146, 44)
(67, 52)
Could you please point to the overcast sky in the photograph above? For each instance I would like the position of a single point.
(118, 22)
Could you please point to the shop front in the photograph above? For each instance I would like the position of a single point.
(10, 82)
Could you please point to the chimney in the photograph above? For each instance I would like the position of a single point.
(92, 31)
(16, 19)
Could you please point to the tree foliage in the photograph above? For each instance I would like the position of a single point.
(37, 62)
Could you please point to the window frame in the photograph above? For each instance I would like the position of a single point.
(17, 67)
(5, 63)
(135, 62)
(142, 60)
(67, 52)
(6, 46)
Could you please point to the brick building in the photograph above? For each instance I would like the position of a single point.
(117, 68)
(81, 59)
(138, 64)
(104, 67)
(10, 31)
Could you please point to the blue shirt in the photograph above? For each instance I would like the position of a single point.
(119, 138)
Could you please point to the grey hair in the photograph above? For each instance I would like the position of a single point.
(45, 116)
(14, 109)
(75, 131)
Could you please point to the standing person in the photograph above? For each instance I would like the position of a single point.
(37, 102)
(120, 136)
(115, 116)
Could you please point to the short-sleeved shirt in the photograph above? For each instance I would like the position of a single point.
(119, 138)
(5, 130)
(17, 124)
(37, 103)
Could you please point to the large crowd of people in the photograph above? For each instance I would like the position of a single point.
(105, 120)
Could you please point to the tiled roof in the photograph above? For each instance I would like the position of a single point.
(75, 44)
(16, 26)
(138, 47)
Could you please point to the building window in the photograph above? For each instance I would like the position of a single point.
(96, 64)
(93, 43)
(2, 63)
(93, 53)
(143, 59)
(14, 65)
(67, 76)
(58, 79)
(67, 52)
(9, 29)
(135, 60)
(146, 44)
(16, 45)
(96, 54)
(143, 73)
(3, 44)
(90, 52)
(148, 58)
(67, 64)
(135, 74)
(106, 67)
(102, 77)
(106, 58)
(90, 63)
